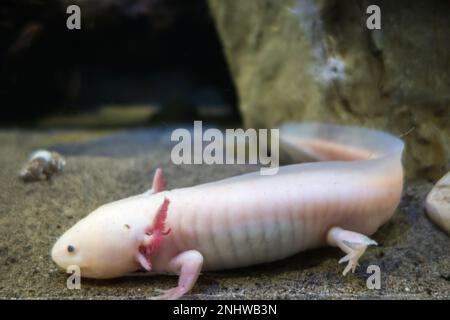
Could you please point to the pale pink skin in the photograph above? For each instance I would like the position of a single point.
(251, 219)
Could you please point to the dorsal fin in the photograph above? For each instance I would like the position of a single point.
(158, 183)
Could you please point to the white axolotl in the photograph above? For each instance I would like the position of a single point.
(248, 219)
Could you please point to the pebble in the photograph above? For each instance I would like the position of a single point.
(438, 203)
(42, 165)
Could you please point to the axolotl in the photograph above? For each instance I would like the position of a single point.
(248, 219)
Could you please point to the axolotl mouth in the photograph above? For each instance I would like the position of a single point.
(76, 248)
(68, 258)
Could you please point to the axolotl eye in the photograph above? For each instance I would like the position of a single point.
(70, 248)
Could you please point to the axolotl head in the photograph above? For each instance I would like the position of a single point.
(111, 242)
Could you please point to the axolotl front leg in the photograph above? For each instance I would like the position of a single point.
(187, 264)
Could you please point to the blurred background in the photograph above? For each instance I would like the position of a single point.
(132, 59)
(259, 63)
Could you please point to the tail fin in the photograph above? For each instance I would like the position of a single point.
(334, 142)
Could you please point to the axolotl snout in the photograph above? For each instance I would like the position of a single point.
(248, 219)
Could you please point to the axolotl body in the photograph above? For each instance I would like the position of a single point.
(248, 219)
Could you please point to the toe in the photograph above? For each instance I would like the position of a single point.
(171, 294)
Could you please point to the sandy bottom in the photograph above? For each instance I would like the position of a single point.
(413, 255)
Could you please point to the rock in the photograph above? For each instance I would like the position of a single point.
(438, 203)
(317, 61)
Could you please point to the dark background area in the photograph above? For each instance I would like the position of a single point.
(163, 52)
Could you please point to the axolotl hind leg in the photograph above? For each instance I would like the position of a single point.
(352, 243)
